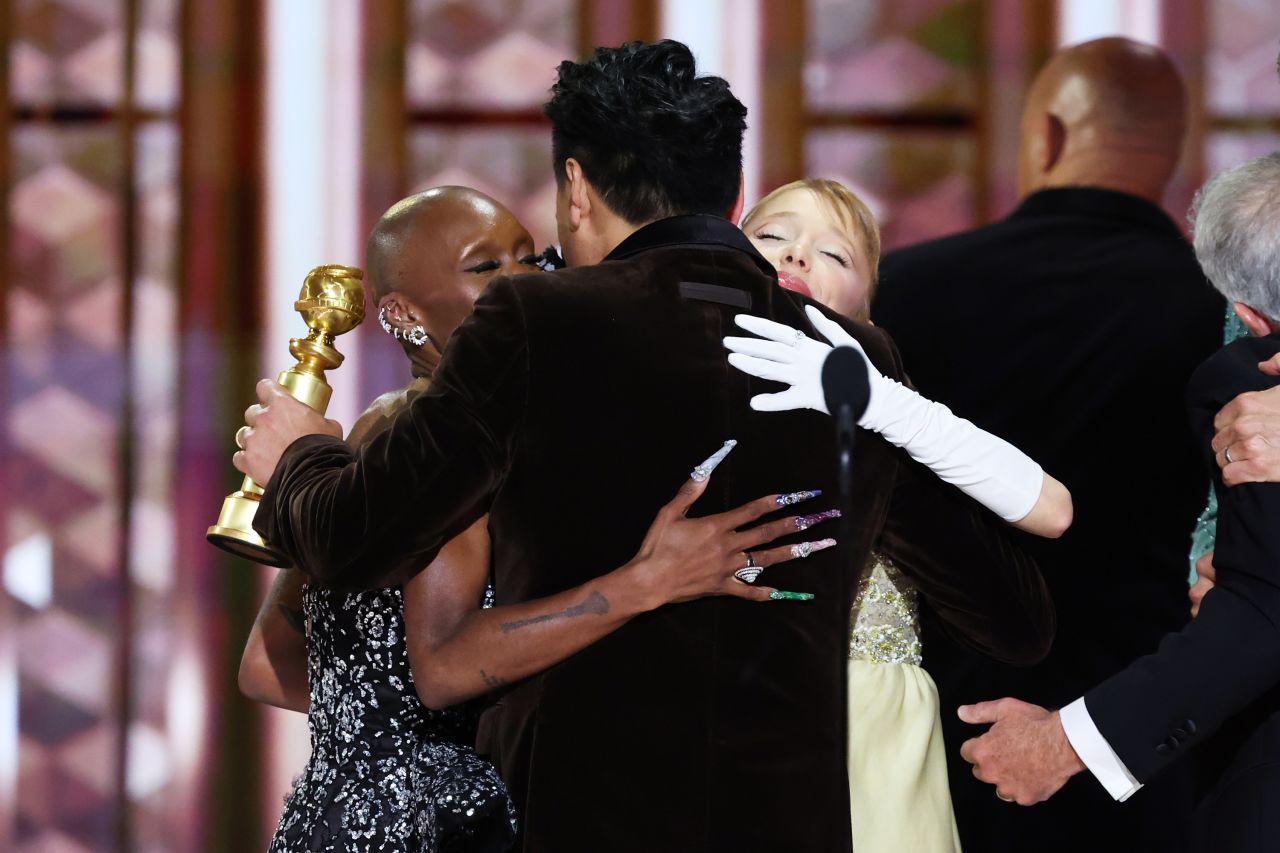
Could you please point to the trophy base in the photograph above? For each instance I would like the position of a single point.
(234, 532)
(247, 545)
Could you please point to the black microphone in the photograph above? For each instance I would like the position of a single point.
(847, 392)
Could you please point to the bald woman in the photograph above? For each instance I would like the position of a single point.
(386, 675)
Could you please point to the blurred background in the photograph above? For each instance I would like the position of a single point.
(171, 170)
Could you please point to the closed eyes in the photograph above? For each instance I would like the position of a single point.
(838, 258)
(531, 260)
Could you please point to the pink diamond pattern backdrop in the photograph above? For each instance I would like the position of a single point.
(68, 379)
(486, 54)
(917, 183)
(64, 408)
(158, 52)
(1224, 150)
(67, 52)
(921, 55)
(151, 744)
(513, 165)
(918, 52)
(1241, 60)
(468, 67)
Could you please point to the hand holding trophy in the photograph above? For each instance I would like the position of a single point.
(331, 303)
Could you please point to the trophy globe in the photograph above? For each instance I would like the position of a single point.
(331, 303)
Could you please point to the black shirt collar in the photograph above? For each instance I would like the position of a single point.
(1099, 203)
(697, 229)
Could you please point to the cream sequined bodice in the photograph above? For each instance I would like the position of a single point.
(887, 628)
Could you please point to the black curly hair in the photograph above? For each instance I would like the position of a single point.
(654, 138)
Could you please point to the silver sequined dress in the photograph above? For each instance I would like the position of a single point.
(386, 773)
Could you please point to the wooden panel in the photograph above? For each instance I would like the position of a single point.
(221, 263)
(783, 124)
(608, 23)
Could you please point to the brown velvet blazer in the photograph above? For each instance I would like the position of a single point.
(571, 406)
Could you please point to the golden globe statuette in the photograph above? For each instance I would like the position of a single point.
(331, 303)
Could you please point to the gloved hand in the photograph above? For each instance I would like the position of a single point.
(788, 355)
(988, 469)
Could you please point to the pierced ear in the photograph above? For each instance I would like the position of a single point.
(398, 311)
(1055, 141)
(1255, 322)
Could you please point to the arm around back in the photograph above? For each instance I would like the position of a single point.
(1229, 655)
(273, 666)
(964, 560)
(1223, 660)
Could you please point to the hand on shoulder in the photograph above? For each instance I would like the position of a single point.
(1247, 442)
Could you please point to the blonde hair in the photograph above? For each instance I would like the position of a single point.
(852, 212)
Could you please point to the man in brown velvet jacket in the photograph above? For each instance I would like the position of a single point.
(568, 407)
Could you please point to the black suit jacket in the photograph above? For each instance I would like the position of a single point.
(1070, 328)
(1224, 664)
(570, 406)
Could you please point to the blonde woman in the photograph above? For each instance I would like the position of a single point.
(825, 244)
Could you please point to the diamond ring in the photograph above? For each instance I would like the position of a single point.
(749, 572)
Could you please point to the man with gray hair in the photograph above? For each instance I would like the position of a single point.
(1247, 445)
(1215, 685)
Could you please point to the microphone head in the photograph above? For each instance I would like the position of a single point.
(844, 381)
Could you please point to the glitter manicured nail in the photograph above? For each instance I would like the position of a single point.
(804, 549)
(804, 522)
(797, 497)
(704, 470)
(783, 595)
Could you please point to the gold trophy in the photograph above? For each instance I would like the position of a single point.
(332, 303)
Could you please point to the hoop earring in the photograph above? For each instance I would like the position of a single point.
(417, 335)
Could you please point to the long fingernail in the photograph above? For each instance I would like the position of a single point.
(804, 549)
(704, 470)
(804, 522)
(783, 595)
(797, 497)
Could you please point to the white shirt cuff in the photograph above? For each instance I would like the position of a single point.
(1096, 753)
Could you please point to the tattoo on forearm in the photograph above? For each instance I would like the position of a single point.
(491, 680)
(595, 604)
(294, 617)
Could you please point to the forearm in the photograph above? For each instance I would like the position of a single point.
(273, 668)
(375, 517)
(1052, 513)
(500, 645)
(1211, 670)
(1221, 662)
(296, 513)
(356, 520)
(982, 465)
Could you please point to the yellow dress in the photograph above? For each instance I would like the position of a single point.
(898, 795)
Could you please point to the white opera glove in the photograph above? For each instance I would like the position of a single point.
(986, 468)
